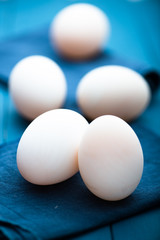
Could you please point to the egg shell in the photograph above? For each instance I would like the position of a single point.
(110, 158)
(79, 31)
(113, 90)
(48, 150)
(37, 84)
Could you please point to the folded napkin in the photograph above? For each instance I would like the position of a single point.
(48, 212)
(28, 211)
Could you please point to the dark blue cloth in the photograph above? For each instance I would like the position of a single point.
(37, 43)
(66, 209)
(28, 211)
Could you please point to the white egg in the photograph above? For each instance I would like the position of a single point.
(37, 84)
(80, 31)
(48, 150)
(113, 90)
(110, 158)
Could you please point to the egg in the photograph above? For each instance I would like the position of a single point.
(110, 158)
(37, 84)
(113, 90)
(79, 31)
(48, 149)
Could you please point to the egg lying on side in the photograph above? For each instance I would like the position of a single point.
(48, 150)
(113, 90)
(79, 31)
(110, 158)
(37, 84)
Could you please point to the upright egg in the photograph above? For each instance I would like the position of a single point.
(48, 150)
(110, 158)
(37, 84)
(80, 31)
(113, 90)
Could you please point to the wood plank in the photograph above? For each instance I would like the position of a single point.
(1, 116)
(22, 16)
(125, 37)
(127, 40)
(7, 17)
(148, 19)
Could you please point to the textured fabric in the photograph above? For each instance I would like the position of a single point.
(49, 212)
(37, 43)
(28, 211)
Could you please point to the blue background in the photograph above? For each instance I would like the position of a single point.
(134, 34)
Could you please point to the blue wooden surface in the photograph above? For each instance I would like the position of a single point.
(135, 34)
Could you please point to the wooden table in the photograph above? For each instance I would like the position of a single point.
(135, 34)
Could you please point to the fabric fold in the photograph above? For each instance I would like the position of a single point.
(38, 43)
(33, 212)
(68, 208)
